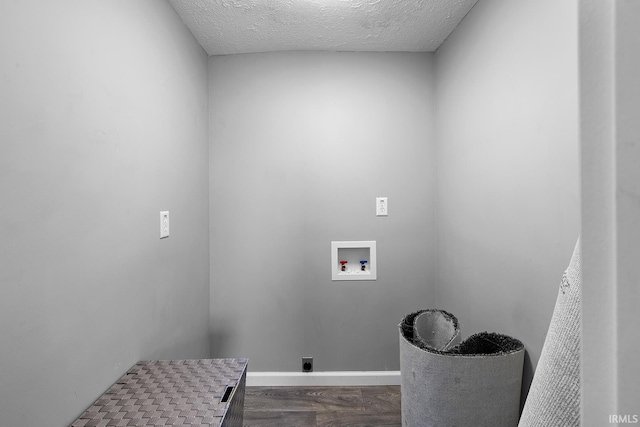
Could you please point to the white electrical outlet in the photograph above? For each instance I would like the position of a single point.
(164, 224)
(382, 206)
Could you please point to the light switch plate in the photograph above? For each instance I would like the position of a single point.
(164, 224)
(382, 206)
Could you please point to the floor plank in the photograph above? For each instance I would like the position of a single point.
(279, 418)
(377, 406)
(358, 419)
(303, 398)
(381, 398)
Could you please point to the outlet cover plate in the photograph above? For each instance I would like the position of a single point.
(382, 206)
(164, 224)
(307, 364)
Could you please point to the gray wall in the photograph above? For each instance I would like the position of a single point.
(104, 105)
(301, 144)
(103, 123)
(508, 208)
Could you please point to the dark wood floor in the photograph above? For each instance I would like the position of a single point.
(377, 406)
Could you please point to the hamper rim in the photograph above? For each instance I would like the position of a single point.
(518, 346)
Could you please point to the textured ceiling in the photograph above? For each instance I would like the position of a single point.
(245, 26)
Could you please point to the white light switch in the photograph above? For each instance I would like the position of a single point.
(382, 207)
(164, 224)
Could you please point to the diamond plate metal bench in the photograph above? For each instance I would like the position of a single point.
(203, 392)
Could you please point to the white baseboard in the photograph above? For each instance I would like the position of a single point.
(336, 378)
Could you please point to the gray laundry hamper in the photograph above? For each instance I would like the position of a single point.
(448, 383)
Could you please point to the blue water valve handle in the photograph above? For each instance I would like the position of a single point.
(363, 262)
(362, 265)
